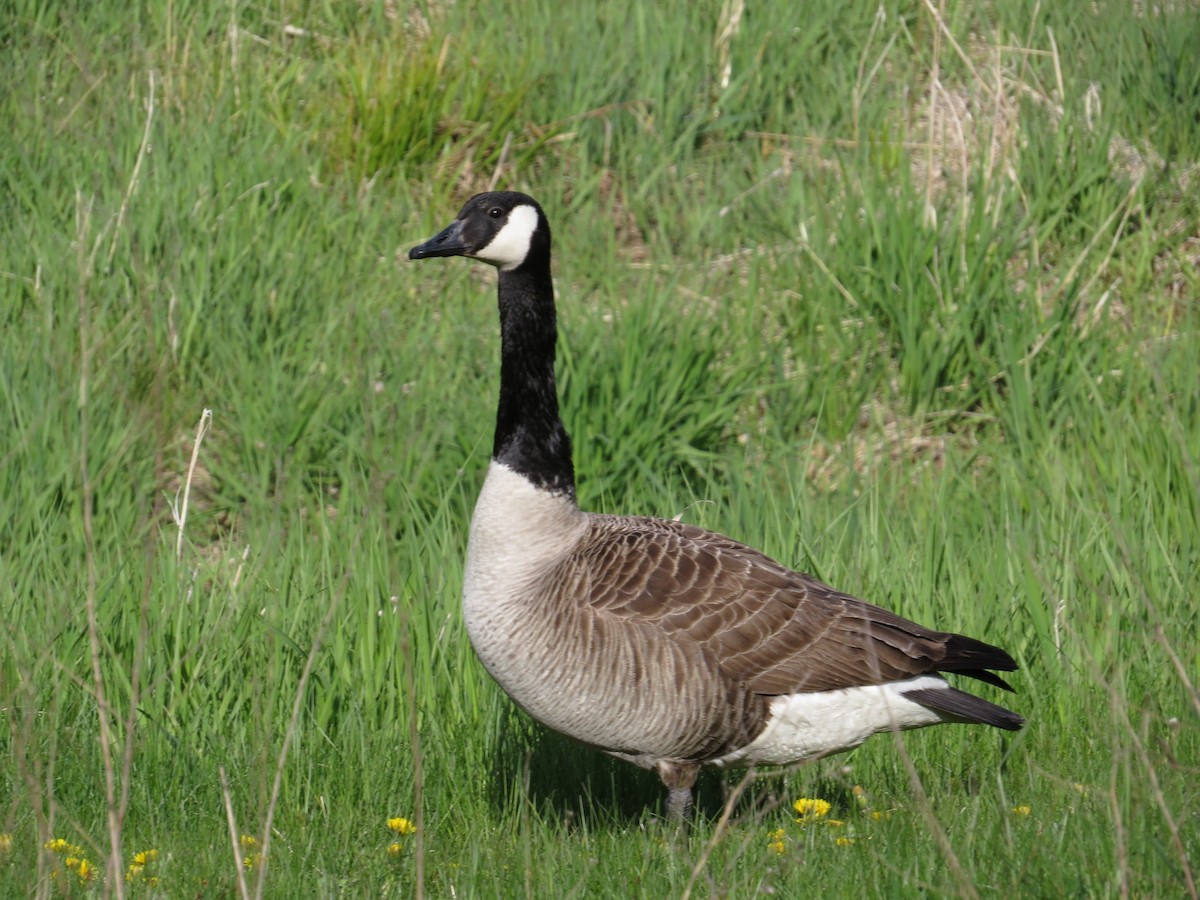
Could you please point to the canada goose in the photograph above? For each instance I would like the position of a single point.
(662, 643)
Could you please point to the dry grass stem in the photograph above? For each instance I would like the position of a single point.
(966, 887)
(239, 861)
(179, 510)
(719, 832)
(143, 148)
(293, 723)
(95, 643)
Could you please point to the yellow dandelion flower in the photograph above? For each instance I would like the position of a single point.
(810, 809)
(137, 869)
(401, 826)
(85, 870)
(1022, 810)
(5, 842)
(57, 845)
(395, 848)
(844, 841)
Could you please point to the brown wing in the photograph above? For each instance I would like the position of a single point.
(772, 629)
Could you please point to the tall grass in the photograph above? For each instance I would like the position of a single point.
(902, 295)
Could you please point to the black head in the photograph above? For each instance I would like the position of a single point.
(504, 228)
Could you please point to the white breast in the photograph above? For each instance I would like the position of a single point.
(518, 532)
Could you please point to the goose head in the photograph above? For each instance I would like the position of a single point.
(504, 228)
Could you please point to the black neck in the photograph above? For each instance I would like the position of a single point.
(530, 436)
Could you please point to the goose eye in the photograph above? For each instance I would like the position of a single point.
(495, 212)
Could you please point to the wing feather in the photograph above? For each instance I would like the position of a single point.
(772, 629)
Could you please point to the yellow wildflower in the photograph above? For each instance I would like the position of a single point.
(401, 826)
(810, 809)
(776, 840)
(5, 843)
(137, 869)
(85, 870)
(58, 845)
(844, 841)
(72, 862)
(1022, 810)
(252, 858)
(395, 848)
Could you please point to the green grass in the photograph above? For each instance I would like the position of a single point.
(947, 361)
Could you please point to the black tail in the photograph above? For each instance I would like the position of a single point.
(964, 707)
(967, 656)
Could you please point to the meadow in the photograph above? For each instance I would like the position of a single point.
(904, 294)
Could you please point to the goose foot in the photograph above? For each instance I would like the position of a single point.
(680, 778)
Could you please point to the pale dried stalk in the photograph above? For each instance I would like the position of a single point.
(179, 510)
(719, 832)
(929, 212)
(297, 705)
(728, 25)
(495, 179)
(944, 30)
(966, 888)
(137, 168)
(414, 740)
(234, 837)
(85, 265)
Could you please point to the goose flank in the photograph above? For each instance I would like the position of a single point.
(658, 642)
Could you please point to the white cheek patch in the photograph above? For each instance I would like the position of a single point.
(510, 246)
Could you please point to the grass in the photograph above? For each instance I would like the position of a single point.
(903, 295)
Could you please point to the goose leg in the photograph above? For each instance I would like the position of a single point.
(679, 777)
